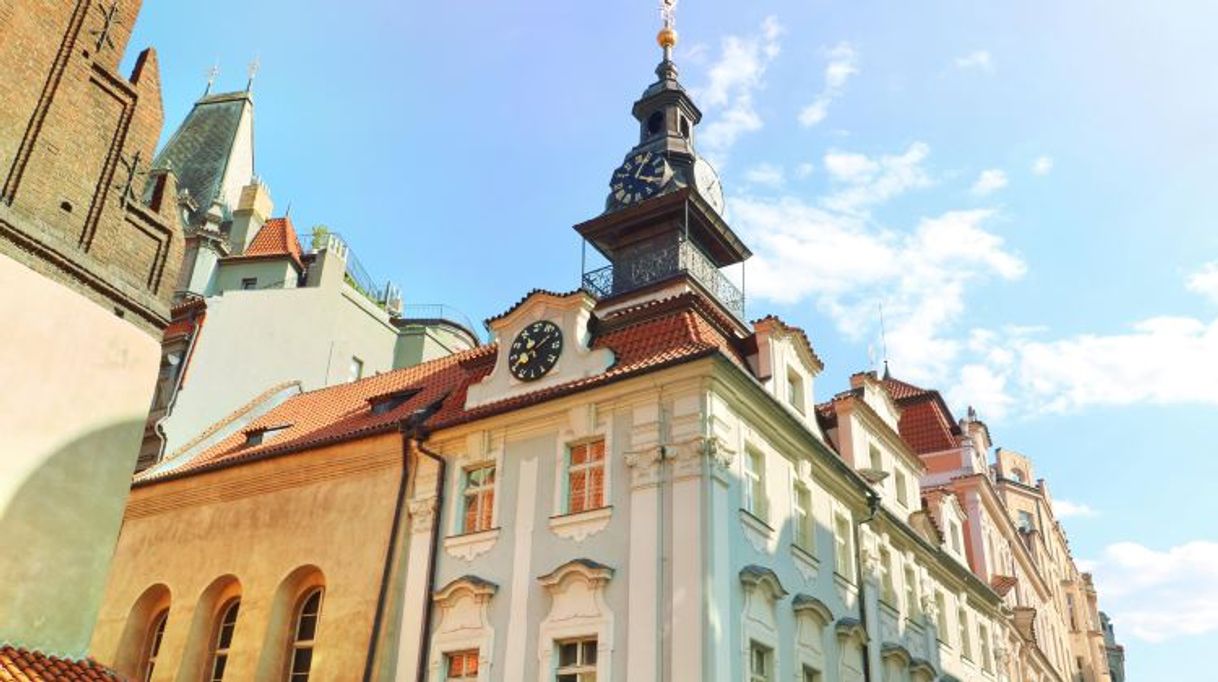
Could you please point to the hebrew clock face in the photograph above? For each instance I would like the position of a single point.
(535, 350)
(640, 177)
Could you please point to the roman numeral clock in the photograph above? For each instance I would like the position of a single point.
(641, 176)
(535, 350)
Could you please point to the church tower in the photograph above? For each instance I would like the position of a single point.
(663, 230)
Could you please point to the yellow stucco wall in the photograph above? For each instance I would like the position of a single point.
(77, 383)
(245, 530)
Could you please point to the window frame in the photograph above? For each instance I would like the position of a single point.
(804, 536)
(152, 643)
(465, 655)
(795, 390)
(249, 283)
(964, 633)
(585, 469)
(484, 493)
(355, 369)
(583, 670)
(754, 480)
(219, 649)
(767, 662)
(295, 643)
(843, 547)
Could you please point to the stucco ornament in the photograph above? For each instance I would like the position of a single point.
(422, 514)
(644, 466)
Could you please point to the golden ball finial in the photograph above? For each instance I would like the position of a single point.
(667, 37)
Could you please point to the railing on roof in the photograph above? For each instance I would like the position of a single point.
(438, 311)
(660, 264)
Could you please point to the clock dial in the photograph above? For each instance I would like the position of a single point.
(535, 350)
(640, 177)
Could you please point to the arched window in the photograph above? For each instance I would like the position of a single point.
(304, 630)
(152, 646)
(223, 639)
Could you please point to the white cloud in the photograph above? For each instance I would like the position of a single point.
(1163, 360)
(766, 174)
(1065, 509)
(803, 170)
(1205, 281)
(863, 182)
(979, 59)
(990, 180)
(733, 79)
(1042, 165)
(832, 253)
(1158, 595)
(841, 67)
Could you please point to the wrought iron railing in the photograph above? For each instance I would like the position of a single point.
(658, 264)
(438, 311)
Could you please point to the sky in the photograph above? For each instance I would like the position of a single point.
(1022, 188)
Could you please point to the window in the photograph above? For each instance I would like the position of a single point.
(1025, 521)
(754, 484)
(761, 663)
(987, 661)
(479, 498)
(843, 562)
(586, 477)
(356, 371)
(954, 532)
(577, 661)
(155, 634)
(966, 646)
(805, 534)
(795, 390)
(249, 283)
(877, 460)
(888, 592)
(941, 615)
(263, 435)
(902, 488)
(305, 629)
(912, 608)
(811, 675)
(1019, 475)
(223, 640)
(462, 665)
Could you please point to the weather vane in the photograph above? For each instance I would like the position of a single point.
(211, 77)
(667, 37)
(252, 71)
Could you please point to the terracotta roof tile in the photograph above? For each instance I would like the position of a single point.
(900, 390)
(23, 665)
(342, 412)
(276, 238)
(926, 424)
(1002, 584)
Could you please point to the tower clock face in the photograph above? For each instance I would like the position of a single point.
(535, 350)
(640, 177)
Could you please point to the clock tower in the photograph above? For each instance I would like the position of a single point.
(663, 231)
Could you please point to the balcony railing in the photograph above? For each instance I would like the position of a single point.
(660, 264)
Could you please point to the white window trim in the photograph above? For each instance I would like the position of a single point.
(461, 634)
(747, 480)
(580, 525)
(762, 592)
(568, 618)
(458, 543)
(812, 617)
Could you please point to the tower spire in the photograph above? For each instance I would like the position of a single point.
(667, 37)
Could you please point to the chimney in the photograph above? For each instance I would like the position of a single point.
(253, 209)
(330, 263)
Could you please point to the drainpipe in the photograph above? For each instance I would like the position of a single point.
(406, 429)
(425, 644)
(873, 505)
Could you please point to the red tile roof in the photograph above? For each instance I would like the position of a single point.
(926, 423)
(653, 337)
(276, 238)
(792, 329)
(23, 665)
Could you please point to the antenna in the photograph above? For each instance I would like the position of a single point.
(288, 213)
(883, 338)
(252, 70)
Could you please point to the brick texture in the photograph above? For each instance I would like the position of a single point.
(77, 201)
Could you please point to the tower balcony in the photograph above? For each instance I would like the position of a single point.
(646, 267)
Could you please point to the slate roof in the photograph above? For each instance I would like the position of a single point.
(642, 340)
(277, 238)
(200, 148)
(23, 665)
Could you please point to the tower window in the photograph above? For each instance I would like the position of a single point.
(655, 123)
(684, 127)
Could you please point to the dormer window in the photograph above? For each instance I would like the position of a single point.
(383, 404)
(264, 434)
(795, 390)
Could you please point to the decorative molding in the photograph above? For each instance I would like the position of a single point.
(595, 573)
(466, 547)
(757, 532)
(580, 525)
(754, 577)
(422, 514)
(807, 564)
(807, 605)
(644, 466)
(577, 609)
(481, 589)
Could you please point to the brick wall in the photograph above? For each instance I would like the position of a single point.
(76, 140)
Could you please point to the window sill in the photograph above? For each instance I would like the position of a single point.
(580, 525)
(807, 564)
(756, 531)
(847, 591)
(469, 545)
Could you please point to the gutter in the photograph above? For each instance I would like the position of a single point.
(425, 640)
(407, 437)
(873, 505)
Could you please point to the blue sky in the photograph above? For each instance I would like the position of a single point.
(1024, 186)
